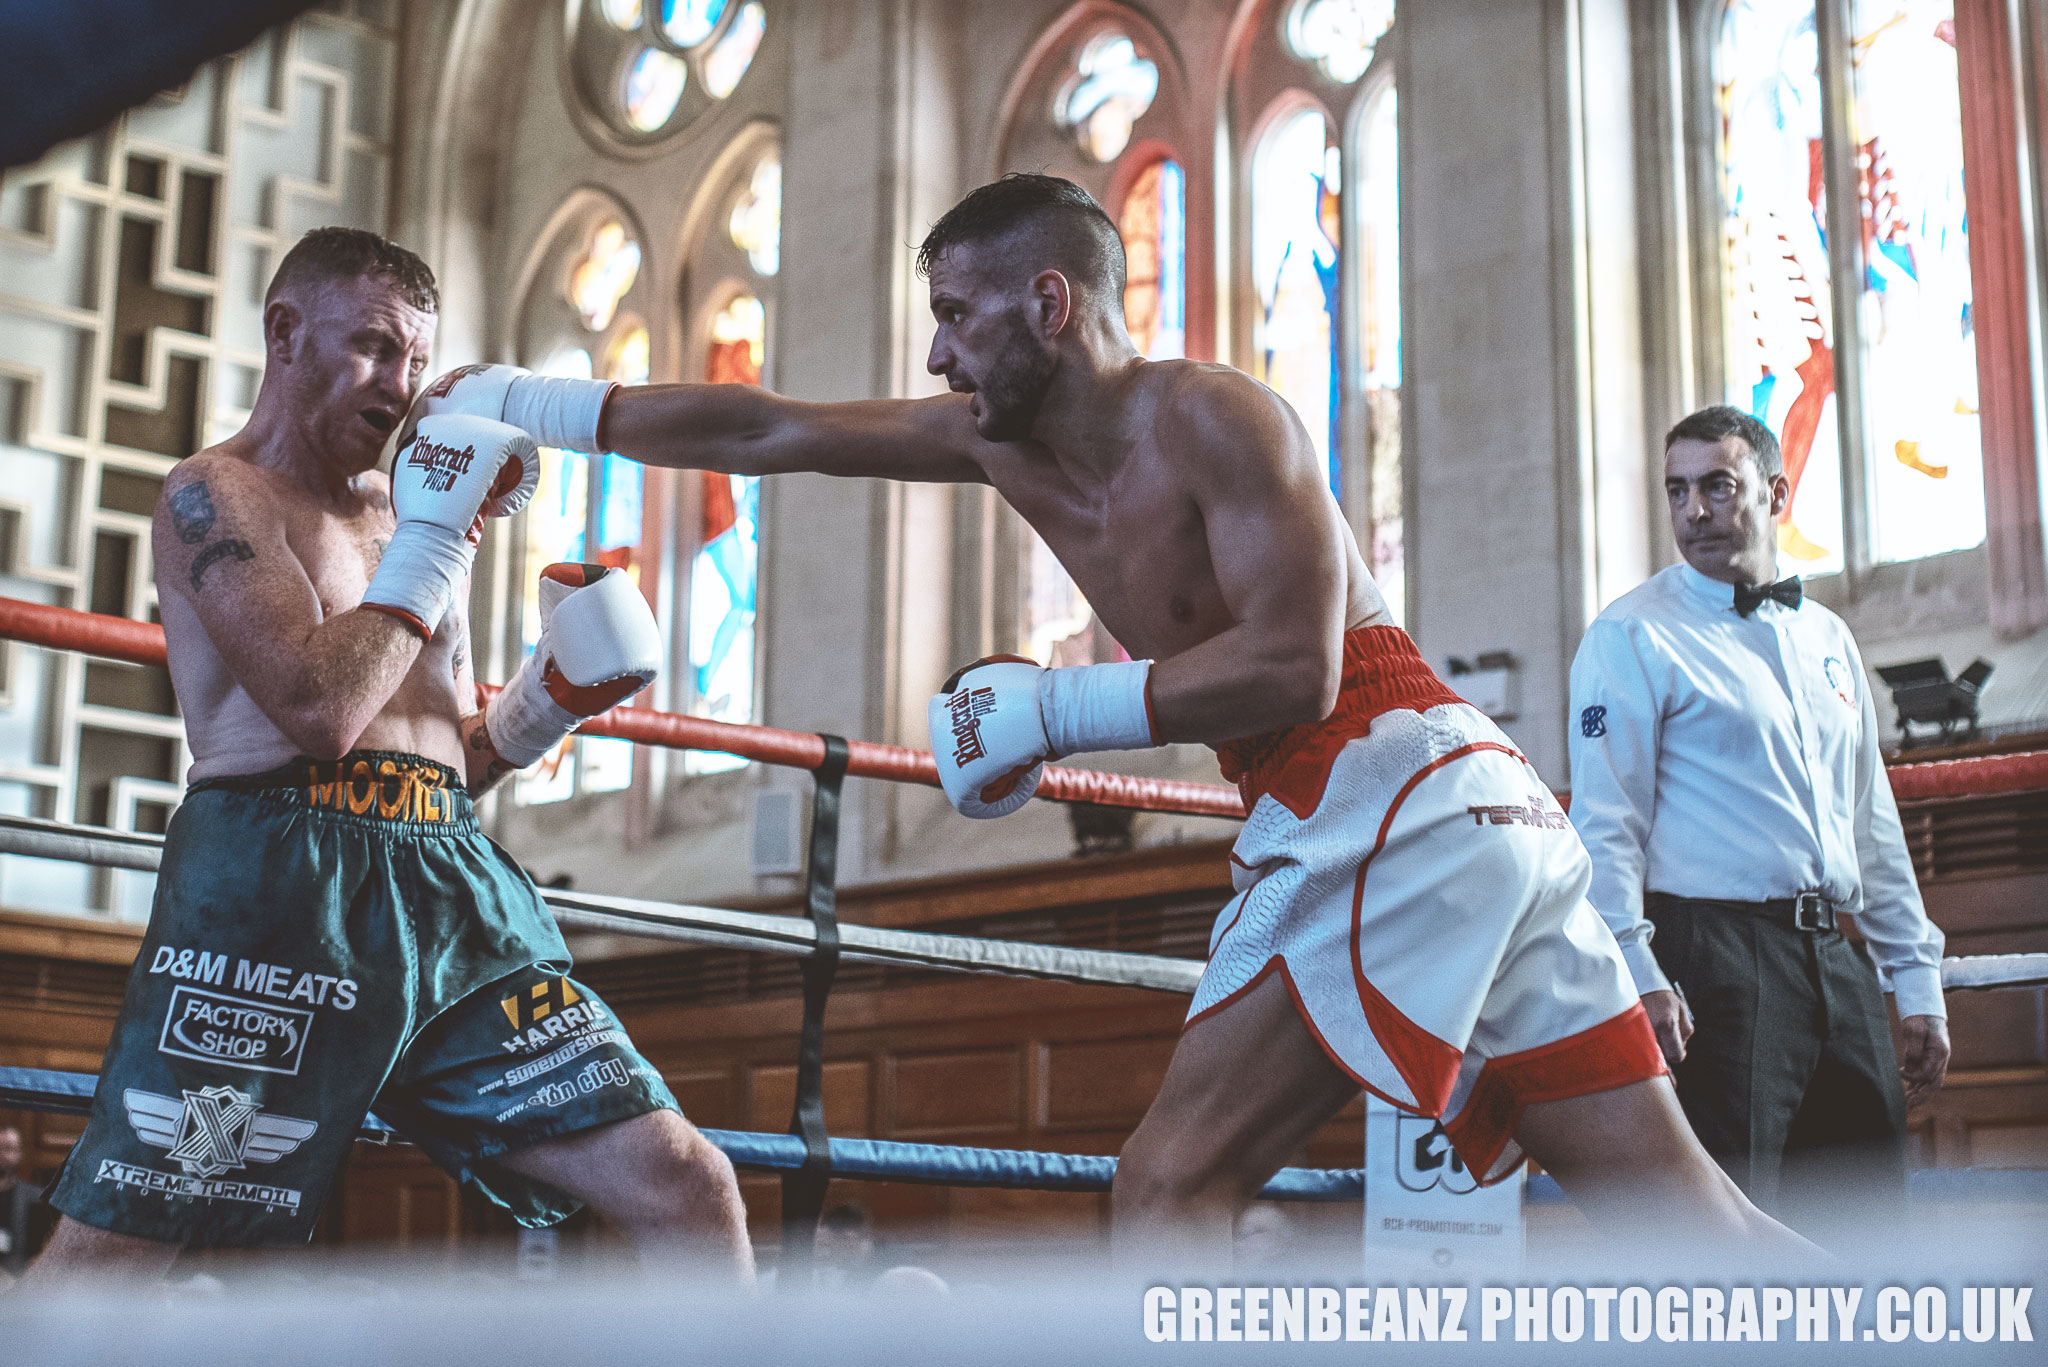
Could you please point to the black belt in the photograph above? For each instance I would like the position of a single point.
(1809, 911)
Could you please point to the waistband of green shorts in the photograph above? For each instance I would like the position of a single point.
(386, 787)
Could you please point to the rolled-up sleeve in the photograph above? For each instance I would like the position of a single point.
(1616, 727)
(1904, 943)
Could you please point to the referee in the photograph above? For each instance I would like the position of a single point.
(1727, 781)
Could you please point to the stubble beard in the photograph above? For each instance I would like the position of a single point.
(1014, 391)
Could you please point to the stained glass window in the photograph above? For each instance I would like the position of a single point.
(623, 15)
(1339, 35)
(556, 523)
(653, 88)
(731, 55)
(600, 279)
(1379, 351)
(689, 22)
(630, 356)
(1911, 319)
(1926, 463)
(1110, 90)
(723, 577)
(1153, 225)
(1295, 234)
(756, 222)
(606, 762)
(739, 341)
(1780, 332)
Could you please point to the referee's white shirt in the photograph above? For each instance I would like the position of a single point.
(1716, 755)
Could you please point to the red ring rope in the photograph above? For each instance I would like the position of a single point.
(142, 643)
(122, 638)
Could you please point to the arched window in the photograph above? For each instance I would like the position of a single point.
(728, 304)
(1296, 174)
(1376, 336)
(1314, 114)
(1110, 90)
(580, 320)
(1873, 392)
(726, 571)
(1102, 102)
(643, 70)
(1153, 224)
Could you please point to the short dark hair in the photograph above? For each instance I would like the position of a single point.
(1723, 421)
(1058, 224)
(349, 253)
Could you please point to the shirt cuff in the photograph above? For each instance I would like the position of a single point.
(1643, 967)
(1916, 991)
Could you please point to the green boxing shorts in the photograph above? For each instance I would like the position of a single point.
(330, 939)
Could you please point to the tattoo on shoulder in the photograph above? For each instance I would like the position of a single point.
(217, 552)
(377, 549)
(456, 664)
(192, 512)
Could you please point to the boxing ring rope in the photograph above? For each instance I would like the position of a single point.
(767, 933)
(806, 1157)
(142, 643)
(869, 1160)
(709, 927)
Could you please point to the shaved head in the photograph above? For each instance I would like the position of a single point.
(1037, 223)
(333, 255)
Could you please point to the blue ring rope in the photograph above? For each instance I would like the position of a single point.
(873, 1160)
(883, 1160)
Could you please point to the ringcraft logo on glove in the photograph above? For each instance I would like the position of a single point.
(443, 464)
(966, 708)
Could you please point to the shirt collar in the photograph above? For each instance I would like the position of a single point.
(1708, 593)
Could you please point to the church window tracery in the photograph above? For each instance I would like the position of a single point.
(1339, 35)
(1110, 91)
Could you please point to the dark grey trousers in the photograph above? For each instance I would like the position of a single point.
(1790, 1079)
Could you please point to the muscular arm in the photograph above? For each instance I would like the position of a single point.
(321, 680)
(744, 430)
(1279, 554)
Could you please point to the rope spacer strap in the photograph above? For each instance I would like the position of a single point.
(803, 1191)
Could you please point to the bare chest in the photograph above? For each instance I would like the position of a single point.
(338, 554)
(1137, 549)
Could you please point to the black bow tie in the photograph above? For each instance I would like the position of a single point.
(1750, 597)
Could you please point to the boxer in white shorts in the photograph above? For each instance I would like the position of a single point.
(1409, 878)
(1188, 504)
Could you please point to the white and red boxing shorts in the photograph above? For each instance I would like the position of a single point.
(1423, 896)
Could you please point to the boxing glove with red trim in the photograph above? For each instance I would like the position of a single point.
(997, 722)
(599, 645)
(453, 473)
(553, 411)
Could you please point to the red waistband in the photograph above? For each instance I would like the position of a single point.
(1383, 672)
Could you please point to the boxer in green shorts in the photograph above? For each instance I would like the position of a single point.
(332, 935)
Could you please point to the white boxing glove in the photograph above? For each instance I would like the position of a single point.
(554, 411)
(451, 474)
(999, 720)
(599, 645)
